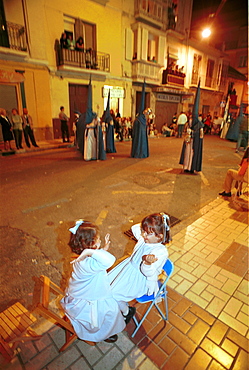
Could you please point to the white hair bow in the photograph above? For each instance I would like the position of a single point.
(166, 221)
(75, 228)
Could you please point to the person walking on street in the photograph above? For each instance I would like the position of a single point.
(28, 128)
(182, 119)
(64, 127)
(17, 128)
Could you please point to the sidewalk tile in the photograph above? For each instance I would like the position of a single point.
(65, 359)
(243, 318)
(133, 360)
(43, 342)
(183, 287)
(160, 331)
(42, 359)
(182, 306)
(91, 353)
(230, 347)
(146, 365)
(198, 331)
(210, 280)
(187, 275)
(179, 323)
(123, 343)
(27, 351)
(242, 297)
(190, 318)
(241, 361)
(196, 299)
(244, 287)
(181, 340)
(109, 360)
(58, 336)
(217, 332)
(176, 361)
(233, 306)
(167, 345)
(199, 271)
(153, 351)
(229, 287)
(213, 350)
(199, 361)
(218, 293)
(207, 296)
(215, 366)
(239, 339)
(80, 364)
(215, 306)
(205, 316)
(233, 323)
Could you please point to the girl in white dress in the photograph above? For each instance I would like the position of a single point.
(138, 274)
(88, 301)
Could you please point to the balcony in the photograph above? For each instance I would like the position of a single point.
(89, 59)
(151, 12)
(173, 78)
(15, 37)
(148, 70)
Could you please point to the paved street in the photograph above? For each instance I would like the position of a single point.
(43, 193)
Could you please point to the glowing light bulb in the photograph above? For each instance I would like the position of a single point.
(206, 33)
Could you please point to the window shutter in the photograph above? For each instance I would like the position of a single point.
(161, 50)
(144, 46)
(129, 41)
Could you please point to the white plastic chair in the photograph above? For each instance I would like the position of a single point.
(161, 295)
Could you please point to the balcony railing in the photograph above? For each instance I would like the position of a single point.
(173, 78)
(88, 59)
(149, 70)
(17, 36)
(151, 11)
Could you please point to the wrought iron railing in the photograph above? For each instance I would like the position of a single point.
(89, 59)
(17, 36)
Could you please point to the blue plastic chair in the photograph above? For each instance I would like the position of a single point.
(162, 293)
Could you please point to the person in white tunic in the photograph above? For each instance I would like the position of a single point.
(138, 274)
(88, 300)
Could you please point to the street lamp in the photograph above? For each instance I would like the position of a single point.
(206, 32)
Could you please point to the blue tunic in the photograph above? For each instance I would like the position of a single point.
(110, 144)
(140, 146)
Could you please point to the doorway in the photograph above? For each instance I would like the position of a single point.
(77, 100)
(164, 113)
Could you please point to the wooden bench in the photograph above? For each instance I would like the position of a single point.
(15, 324)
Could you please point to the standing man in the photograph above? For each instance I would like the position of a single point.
(64, 127)
(182, 119)
(28, 128)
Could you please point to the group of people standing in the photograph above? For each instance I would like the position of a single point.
(14, 126)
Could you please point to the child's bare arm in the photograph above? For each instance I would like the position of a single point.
(148, 259)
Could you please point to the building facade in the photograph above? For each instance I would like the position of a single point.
(125, 42)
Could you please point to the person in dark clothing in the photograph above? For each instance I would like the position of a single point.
(64, 127)
(28, 128)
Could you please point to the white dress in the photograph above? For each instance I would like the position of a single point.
(90, 147)
(132, 278)
(88, 302)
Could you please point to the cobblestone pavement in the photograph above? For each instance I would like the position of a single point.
(207, 326)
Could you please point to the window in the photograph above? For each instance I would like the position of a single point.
(78, 27)
(195, 69)
(243, 61)
(209, 74)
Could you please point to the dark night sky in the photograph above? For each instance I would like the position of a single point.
(233, 13)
